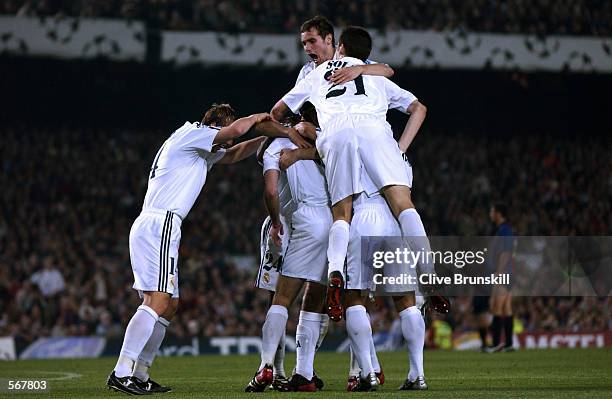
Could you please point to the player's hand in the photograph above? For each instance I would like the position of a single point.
(347, 74)
(264, 116)
(297, 139)
(275, 233)
(287, 158)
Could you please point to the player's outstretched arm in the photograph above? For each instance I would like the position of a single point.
(347, 74)
(239, 127)
(275, 129)
(272, 204)
(417, 116)
(241, 151)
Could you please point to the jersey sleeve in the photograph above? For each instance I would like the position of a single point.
(299, 94)
(214, 157)
(397, 97)
(199, 138)
(303, 73)
(271, 158)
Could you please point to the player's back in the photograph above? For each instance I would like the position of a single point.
(365, 95)
(306, 179)
(180, 168)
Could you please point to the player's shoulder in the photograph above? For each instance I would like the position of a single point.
(308, 67)
(191, 126)
(277, 145)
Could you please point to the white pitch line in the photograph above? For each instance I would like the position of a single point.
(63, 375)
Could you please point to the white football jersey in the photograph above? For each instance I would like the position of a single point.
(370, 95)
(306, 69)
(180, 168)
(306, 179)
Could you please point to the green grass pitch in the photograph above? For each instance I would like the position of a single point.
(562, 373)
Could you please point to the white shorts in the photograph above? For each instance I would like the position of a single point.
(306, 256)
(356, 142)
(372, 217)
(154, 244)
(271, 256)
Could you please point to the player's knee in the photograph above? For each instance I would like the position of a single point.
(343, 209)
(171, 309)
(353, 298)
(404, 302)
(158, 301)
(281, 299)
(314, 298)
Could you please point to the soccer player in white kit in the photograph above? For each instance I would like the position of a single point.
(372, 217)
(176, 178)
(356, 135)
(305, 261)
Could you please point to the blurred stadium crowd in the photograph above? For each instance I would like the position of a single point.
(70, 196)
(541, 17)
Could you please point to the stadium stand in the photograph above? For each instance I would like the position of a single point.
(575, 17)
(71, 194)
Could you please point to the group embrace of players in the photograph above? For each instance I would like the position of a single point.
(332, 176)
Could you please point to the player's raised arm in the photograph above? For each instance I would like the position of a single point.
(347, 74)
(239, 127)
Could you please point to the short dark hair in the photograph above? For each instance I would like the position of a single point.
(501, 208)
(357, 42)
(309, 113)
(321, 24)
(219, 115)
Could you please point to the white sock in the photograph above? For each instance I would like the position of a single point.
(137, 334)
(360, 332)
(306, 339)
(413, 329)
(324, 326)
(145, 360)
(279, 358)
(414, 233)
(271, 333)
(373, 355)
(338, 246)
(354, 369)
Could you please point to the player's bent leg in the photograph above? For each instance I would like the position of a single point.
(400, 202)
